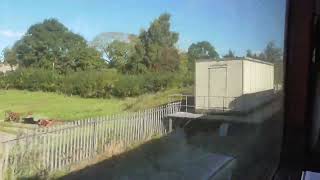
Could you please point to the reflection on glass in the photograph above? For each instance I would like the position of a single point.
(149, 90)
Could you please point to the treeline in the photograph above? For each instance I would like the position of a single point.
(93, 83)
(53, 58)
(50, 45)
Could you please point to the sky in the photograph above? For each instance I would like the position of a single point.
(227, 24)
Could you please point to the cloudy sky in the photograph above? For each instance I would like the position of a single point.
(234, 24)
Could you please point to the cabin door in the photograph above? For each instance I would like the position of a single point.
(217, 88)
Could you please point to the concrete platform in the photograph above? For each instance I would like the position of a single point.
(185, 115)
(257, 116)
(209, 167)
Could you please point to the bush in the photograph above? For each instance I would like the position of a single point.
(129, 85)
(90, 83)
(2, 81)
(94, 84)
(33, 80)
(159, 81)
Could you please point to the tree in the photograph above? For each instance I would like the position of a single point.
(230, 54)
(159, 45)
(250, 54)
(136, 63)
(118, 54)
(51, 45)
(201, 50)
(272, 53)
(102, 41)
(9, 56)
(184, 65)
(261, 56)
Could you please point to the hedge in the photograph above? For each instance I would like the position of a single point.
(93, 84)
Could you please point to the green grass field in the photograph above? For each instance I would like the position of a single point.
(61, 107)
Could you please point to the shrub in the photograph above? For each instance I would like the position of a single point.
(129, 85)
(94, 84)
(159, 81)
(32, 79)
(90, 83)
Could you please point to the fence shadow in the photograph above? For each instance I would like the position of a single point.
(165, 157)
(250, 102)
(161, 158)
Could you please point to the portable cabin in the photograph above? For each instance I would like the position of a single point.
(233, 84)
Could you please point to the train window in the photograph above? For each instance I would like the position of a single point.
(149, 90)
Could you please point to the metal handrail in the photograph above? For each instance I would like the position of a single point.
(181, 97)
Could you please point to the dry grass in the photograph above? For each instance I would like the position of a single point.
(113, 149)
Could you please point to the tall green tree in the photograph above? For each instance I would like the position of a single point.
(159, 45)
(9, 56)
(203, 50)
(119, 54)
(200, 50)
(136, 63)
(51, 45)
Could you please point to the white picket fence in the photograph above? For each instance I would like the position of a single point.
(50, 149)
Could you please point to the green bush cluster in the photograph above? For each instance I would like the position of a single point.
(93, 84)
(31, 79)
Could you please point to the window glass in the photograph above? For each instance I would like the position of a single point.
(141, 90)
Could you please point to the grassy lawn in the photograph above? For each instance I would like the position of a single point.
(56, 106)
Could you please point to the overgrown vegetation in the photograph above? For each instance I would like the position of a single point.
(94, 84)
(52, 58)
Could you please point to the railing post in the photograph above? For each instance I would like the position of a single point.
(170, 125)
(223, 103)
(186, 103)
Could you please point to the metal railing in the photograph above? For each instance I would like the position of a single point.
(53, 148)
(190, 103)
(243, 103)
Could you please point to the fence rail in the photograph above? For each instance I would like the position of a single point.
(243, 103)
(217, 103)
(53, 148)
